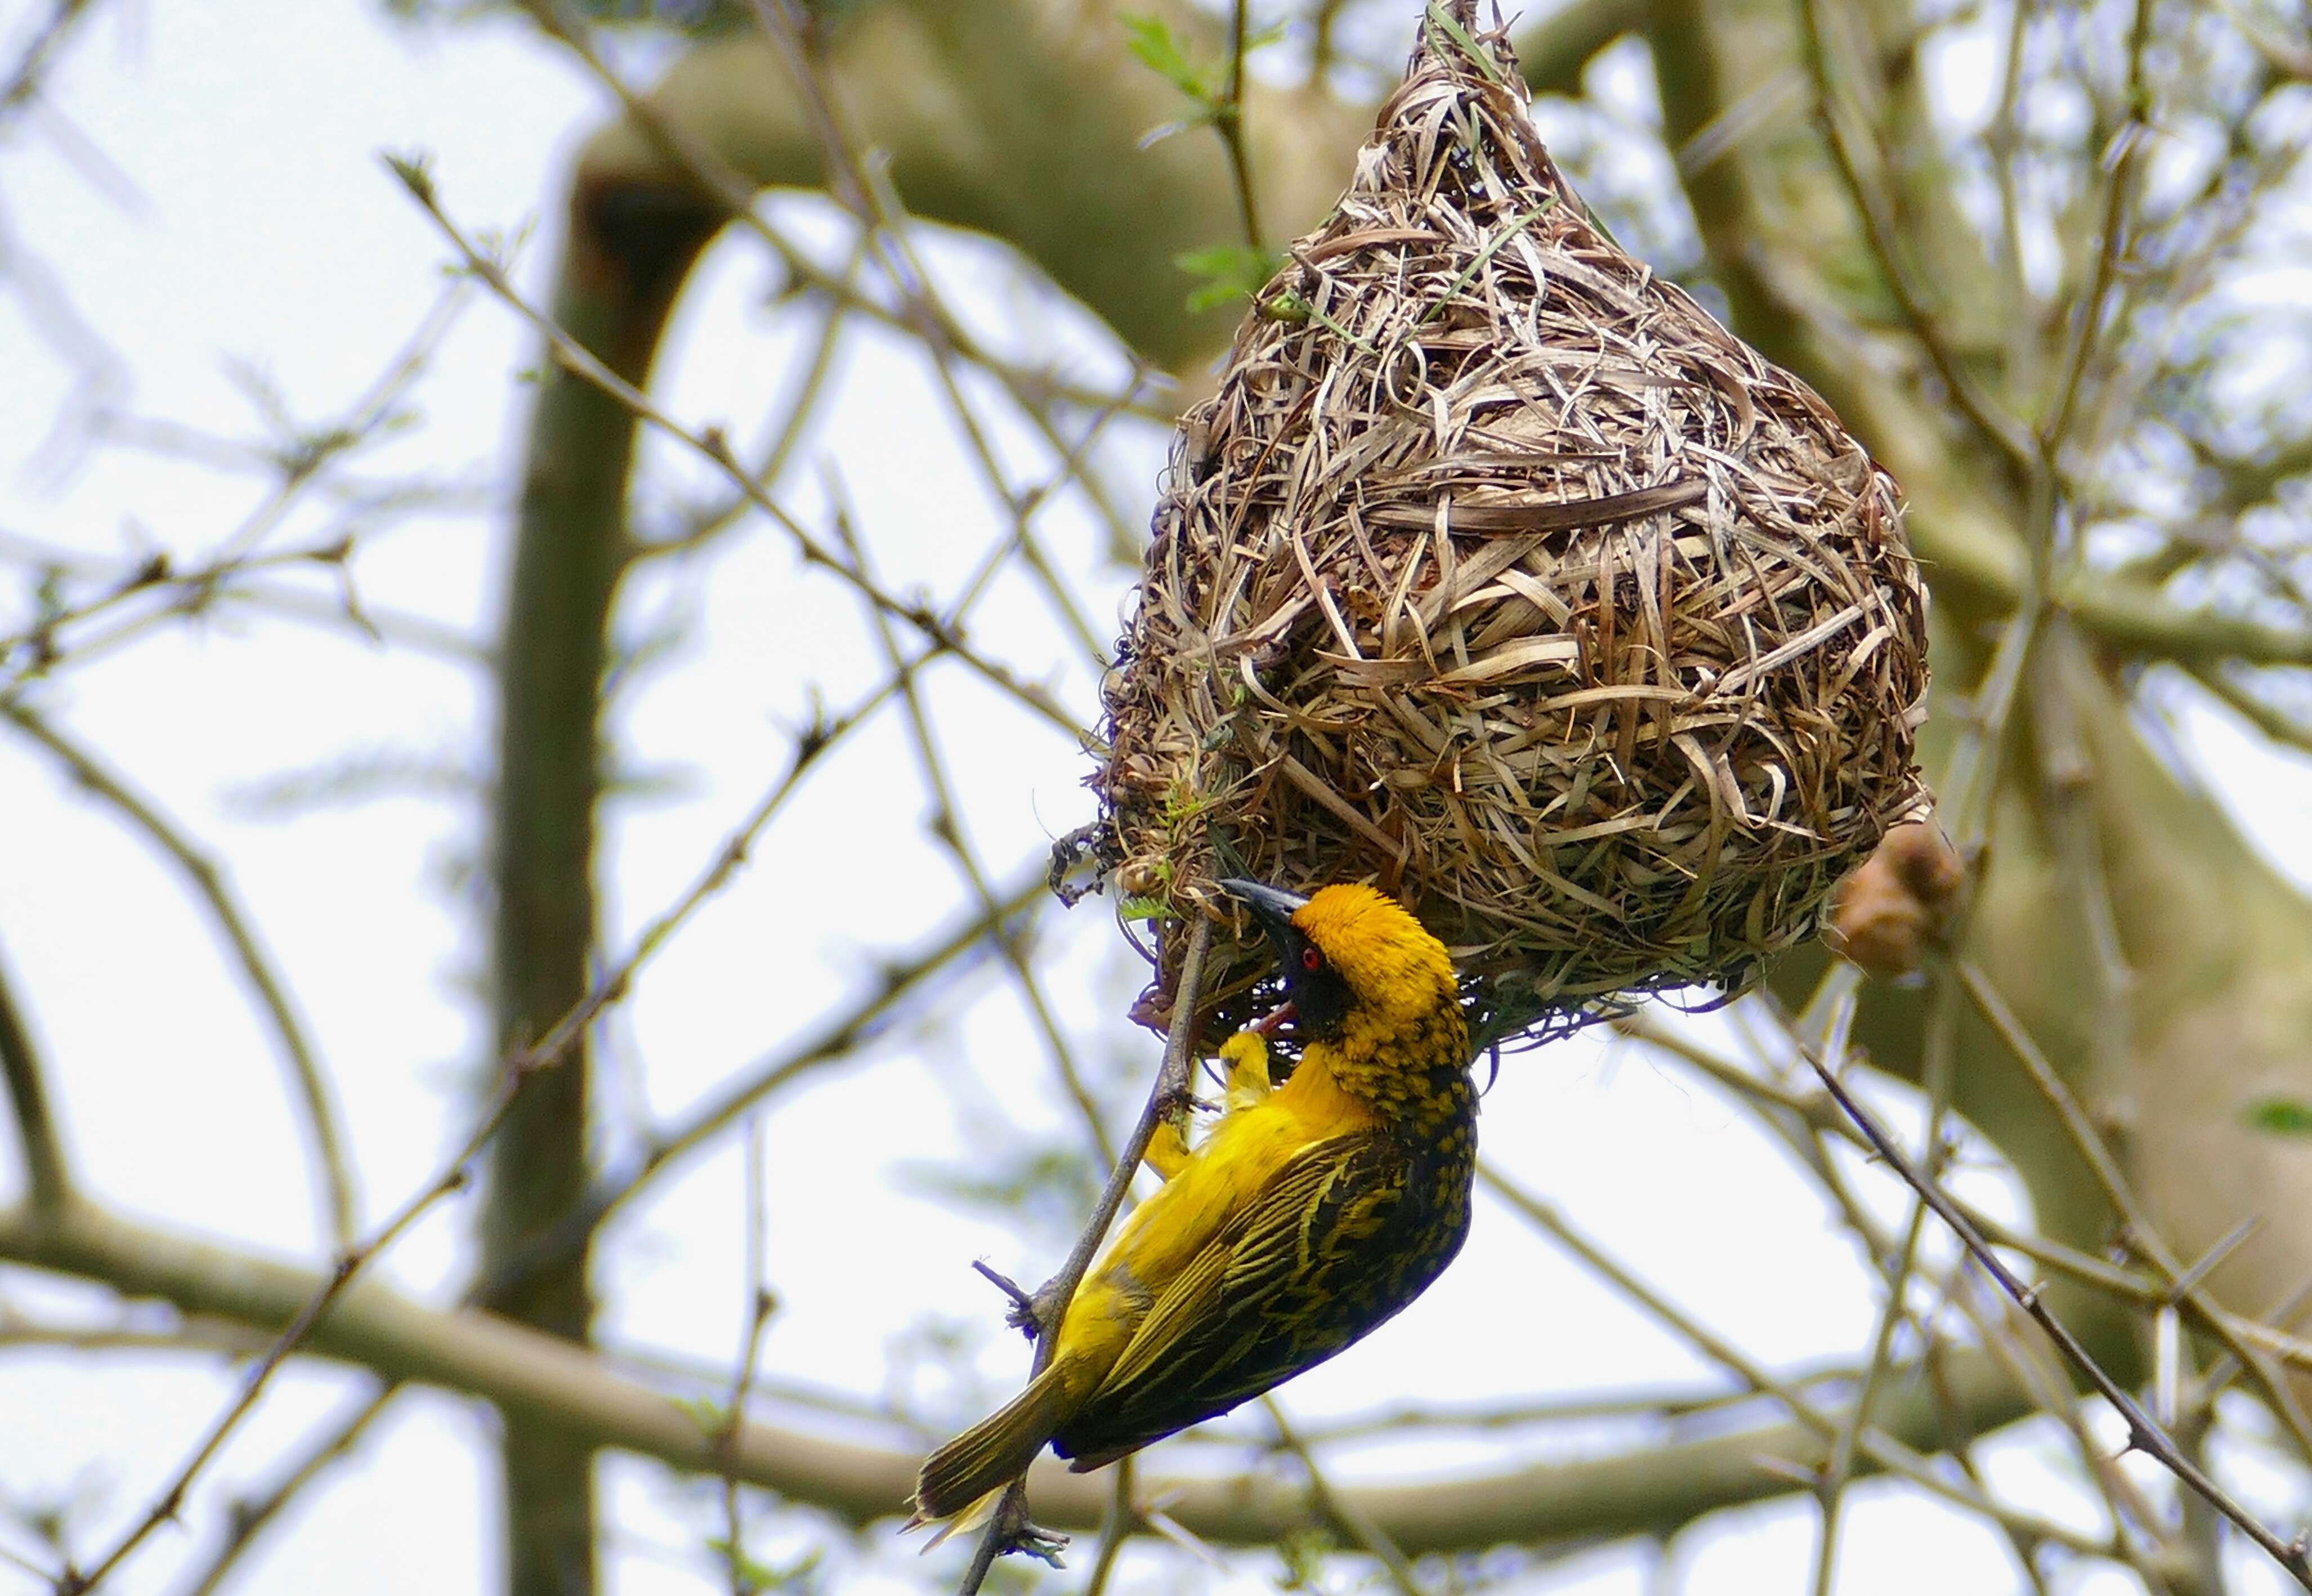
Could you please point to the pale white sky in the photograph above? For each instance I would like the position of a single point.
(242, 216)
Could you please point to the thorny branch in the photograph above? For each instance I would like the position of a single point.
(2142, 1434)
(1883, 1450)
(2139, 1237)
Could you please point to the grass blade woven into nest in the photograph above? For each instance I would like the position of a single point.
(1500, 574)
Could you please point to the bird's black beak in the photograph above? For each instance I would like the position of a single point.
(1273, 907)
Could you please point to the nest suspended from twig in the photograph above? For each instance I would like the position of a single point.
(1500, 574)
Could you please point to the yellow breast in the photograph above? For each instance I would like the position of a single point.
(1237, 1162)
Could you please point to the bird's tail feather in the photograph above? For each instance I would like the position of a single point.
(977, 1464)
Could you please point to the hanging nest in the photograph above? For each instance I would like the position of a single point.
(1497, 573)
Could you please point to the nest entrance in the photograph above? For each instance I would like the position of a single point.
(1495, 571)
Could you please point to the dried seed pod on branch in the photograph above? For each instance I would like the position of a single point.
(1498, 572)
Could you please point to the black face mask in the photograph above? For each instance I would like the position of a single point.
(1320, 997)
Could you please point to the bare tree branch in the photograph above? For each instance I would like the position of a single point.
(1653, 1488)
(216, 894)
(47, 1178)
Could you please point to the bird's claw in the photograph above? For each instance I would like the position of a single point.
(1022, 1535)
(1032, 1313)
(1043, 1545)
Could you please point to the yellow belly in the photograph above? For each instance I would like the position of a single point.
(1235, 1163)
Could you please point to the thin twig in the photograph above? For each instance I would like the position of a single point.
(1122, 1520)
(248, 1519)
(1881, 1449)
(946, 825)
(548, 1052)
(2046, 1390)
(1819, 1113)
(1345, 1514)
(40, 53)
(760, 1305)
(1960, 1445)
(1228, 122)
(38, 648)
(2003, 143)
(2275, 724)
(2134, 133)
(301, 461)
(810, 747)
(1840, 1469)
(2144, 1435)
(795, 414)
(868, 196)
(1033, 390)
(210, 886)
(1940, 1049)
(454, 1177)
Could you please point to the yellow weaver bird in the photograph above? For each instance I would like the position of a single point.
(1311, 1213)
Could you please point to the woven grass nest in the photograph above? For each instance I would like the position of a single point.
(1496, 572)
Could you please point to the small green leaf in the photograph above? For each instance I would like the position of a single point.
(1150, 38)
(2282, 1115)
(1142, 908)
(1287, 306)
(1226, 272)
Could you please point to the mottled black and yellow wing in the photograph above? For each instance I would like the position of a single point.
(1348, 1233)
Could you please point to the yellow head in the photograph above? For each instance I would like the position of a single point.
(1350, 950)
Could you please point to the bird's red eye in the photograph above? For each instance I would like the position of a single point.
(1311, 960)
